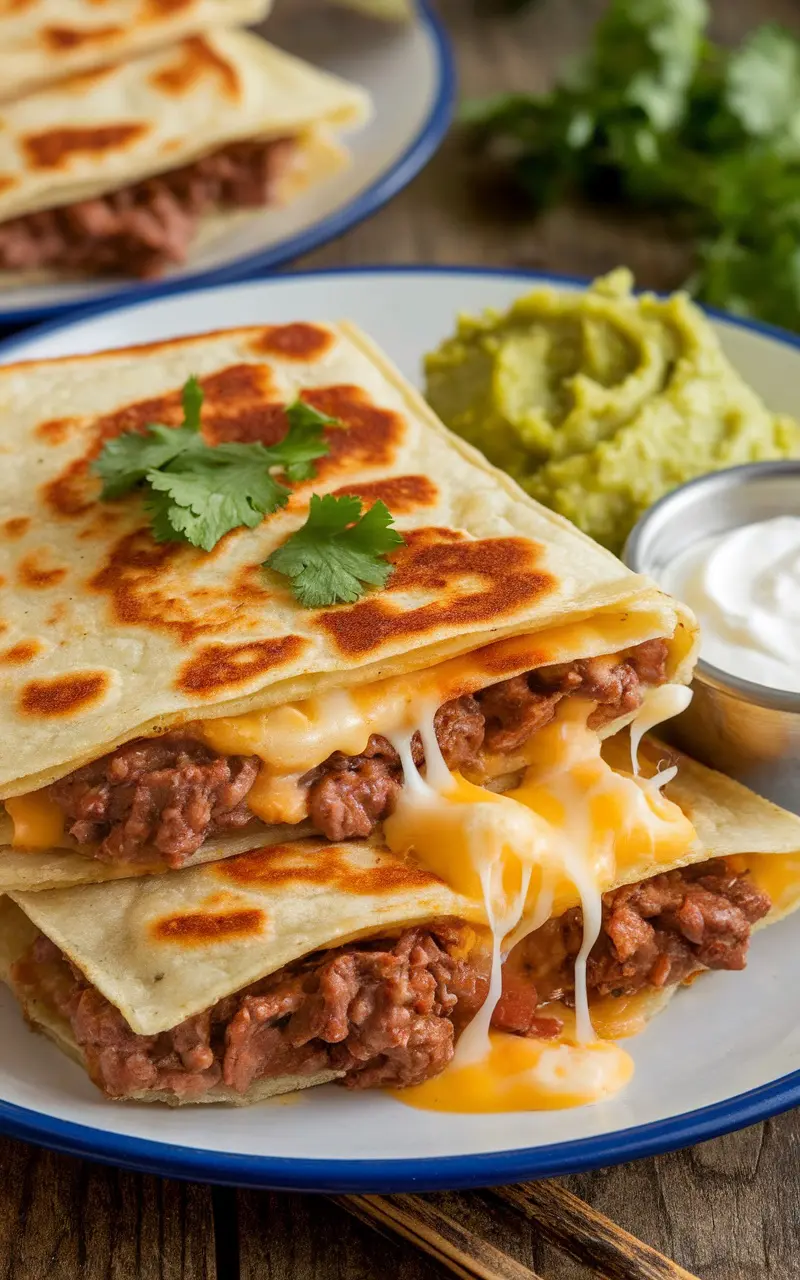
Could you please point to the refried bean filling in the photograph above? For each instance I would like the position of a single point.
(389, 1011)
(165, 796)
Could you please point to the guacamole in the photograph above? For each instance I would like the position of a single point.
(599, 402)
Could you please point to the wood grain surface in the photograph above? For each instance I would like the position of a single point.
(725, 1210)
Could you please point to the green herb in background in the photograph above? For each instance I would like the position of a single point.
(658, 117)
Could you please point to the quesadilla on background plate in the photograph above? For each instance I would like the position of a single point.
(124, 169)
(164, 705)
(289, 966)
(46, 40)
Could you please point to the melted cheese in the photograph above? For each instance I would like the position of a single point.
(38, 821)
(294, 738)
(525, 1075)
(570, 830)
(777, 874)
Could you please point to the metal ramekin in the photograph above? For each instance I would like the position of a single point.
(746, 730)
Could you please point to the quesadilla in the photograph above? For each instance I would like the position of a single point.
(311, 961)
(125, 168)
(46, 40)
(162, 705)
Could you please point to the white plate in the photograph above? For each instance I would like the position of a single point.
(408, 71)
(724, 1054)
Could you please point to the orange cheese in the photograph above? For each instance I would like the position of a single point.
(525, 1075)
(38, 821)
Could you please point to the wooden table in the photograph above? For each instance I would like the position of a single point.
(728, 1209)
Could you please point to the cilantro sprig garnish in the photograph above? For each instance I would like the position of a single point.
(338, 552)
(196, 492)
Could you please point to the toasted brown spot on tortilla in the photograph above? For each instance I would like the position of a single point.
(63, 695)
(224, 666)
(60, 38)
(16, 526)
(400, 493)
(500, 663)
(35, 570)
(21, 653)
(85, 80)
(240, 404)
(101, 524)
(196, 60)
(153, 10)
(197, 927)
(472, 582)
(329, 865)
(73, 492)
(57, 614)
(7, 182)
(54, 148)
(293, 341)
(55, 430)
(151, 584)
(372, 437)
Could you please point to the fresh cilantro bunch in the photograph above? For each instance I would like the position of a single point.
(196, 492)
(656, 116)
(337, 551)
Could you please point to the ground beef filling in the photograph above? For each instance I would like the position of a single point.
(389, 1011)
(158, 796)
(385, 1013)
(166, 796)
(655, 934)
(142, 229)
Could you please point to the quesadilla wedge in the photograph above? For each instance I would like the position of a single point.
(161, 703)
(310, 961)
(46, 40)
(125, 168)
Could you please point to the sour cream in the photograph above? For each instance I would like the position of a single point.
(744, 586)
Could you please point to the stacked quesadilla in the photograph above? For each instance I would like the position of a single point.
(126, 167)
(46, 40)
(308, 962)
(325, 817)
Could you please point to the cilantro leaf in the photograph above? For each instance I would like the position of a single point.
(207, 499)
(127, 459)
(192, 402)
(303, 442)
(337, 551)
(196, 492)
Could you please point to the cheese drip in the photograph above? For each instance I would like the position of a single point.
(570, 829)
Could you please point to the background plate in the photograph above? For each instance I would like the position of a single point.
(724, 1054)
(407, 69)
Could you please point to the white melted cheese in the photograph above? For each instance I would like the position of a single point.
(571, 828)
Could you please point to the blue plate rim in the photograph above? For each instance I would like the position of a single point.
(419, 151)
(132, 301)
(427, 1173)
